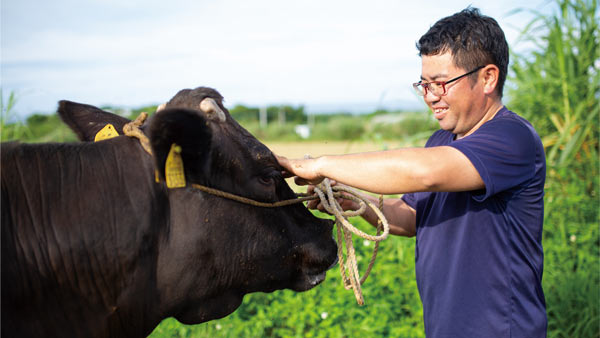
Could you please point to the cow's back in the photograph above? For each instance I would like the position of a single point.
(69, 234)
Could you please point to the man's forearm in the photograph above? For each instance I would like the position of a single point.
(401, 171)
(401, 217)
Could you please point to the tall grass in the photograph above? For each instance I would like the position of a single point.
(35, 128)
(10, 127)
(556, 86)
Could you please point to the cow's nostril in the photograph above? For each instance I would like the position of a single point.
(335, 261)
(328, 224)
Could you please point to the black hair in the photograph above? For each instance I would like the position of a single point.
(473, 39)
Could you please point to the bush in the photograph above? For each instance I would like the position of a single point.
(340, 128)
(406, 125)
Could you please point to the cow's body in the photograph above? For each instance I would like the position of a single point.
(92, 246)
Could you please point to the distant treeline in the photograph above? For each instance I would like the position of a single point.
(278, 122)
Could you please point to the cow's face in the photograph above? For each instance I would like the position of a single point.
(233, 247)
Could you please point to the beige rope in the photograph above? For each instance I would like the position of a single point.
(328, 196)
(349, 269)
(132, 129)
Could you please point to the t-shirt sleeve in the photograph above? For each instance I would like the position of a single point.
(410, 199)
(503, 152)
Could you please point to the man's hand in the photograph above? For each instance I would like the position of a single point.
(305, 170)
(346, 204)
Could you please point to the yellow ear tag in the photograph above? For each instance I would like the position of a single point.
(174, 168)
(105, 133)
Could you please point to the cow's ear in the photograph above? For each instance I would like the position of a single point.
(86, 121)
(189, 130)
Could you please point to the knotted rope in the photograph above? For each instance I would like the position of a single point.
(329, 199)
(345, 229)
(132, 129)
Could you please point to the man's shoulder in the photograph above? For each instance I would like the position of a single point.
(509, 119)
(508, 127)
(439, 138)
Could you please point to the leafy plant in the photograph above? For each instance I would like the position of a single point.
(556, 86)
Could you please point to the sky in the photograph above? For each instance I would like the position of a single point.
(327, 55)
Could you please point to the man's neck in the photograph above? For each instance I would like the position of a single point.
(490, 111)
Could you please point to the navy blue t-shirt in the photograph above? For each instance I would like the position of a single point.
(479, 256)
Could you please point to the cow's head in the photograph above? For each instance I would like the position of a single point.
(216, 250)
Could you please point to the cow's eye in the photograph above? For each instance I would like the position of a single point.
(268, 177)
(266, 180)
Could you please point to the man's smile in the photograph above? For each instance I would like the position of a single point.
(439, 113)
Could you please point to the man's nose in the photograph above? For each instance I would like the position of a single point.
(430, 97)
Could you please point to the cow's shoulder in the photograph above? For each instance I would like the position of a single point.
(86, 121)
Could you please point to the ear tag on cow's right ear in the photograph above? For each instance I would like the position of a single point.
(174, 173)
(105, 133)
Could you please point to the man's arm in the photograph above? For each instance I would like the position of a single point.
(393, 171)
(400, 216)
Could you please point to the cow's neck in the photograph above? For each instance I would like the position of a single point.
(102, 218)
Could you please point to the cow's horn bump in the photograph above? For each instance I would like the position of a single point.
(210, 107)
(161, 107)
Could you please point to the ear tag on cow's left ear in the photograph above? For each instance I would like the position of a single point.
(174, 173)
(105, 133)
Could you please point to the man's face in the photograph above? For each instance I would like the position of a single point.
(462, 107)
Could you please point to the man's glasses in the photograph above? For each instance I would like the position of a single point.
(438, 88)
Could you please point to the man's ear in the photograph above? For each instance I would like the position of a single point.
(490, 75)
(86, 121)
(189, 130)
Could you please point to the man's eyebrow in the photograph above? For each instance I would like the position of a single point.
(435, 77)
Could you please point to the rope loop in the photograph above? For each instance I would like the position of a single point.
(349, 268)
(132, 129)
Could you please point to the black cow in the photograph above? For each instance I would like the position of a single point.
(93, 246)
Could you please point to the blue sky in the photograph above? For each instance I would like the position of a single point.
(322, 54)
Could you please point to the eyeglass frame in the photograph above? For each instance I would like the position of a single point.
(425, 85)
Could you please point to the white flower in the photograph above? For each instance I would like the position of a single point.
(366, 243)
(218, 326)
(324, 315)
(573, 238)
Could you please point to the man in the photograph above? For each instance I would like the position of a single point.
(474, 194)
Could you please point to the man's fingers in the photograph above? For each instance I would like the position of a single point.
(282, 160)
(286, 174)
(300, 181)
